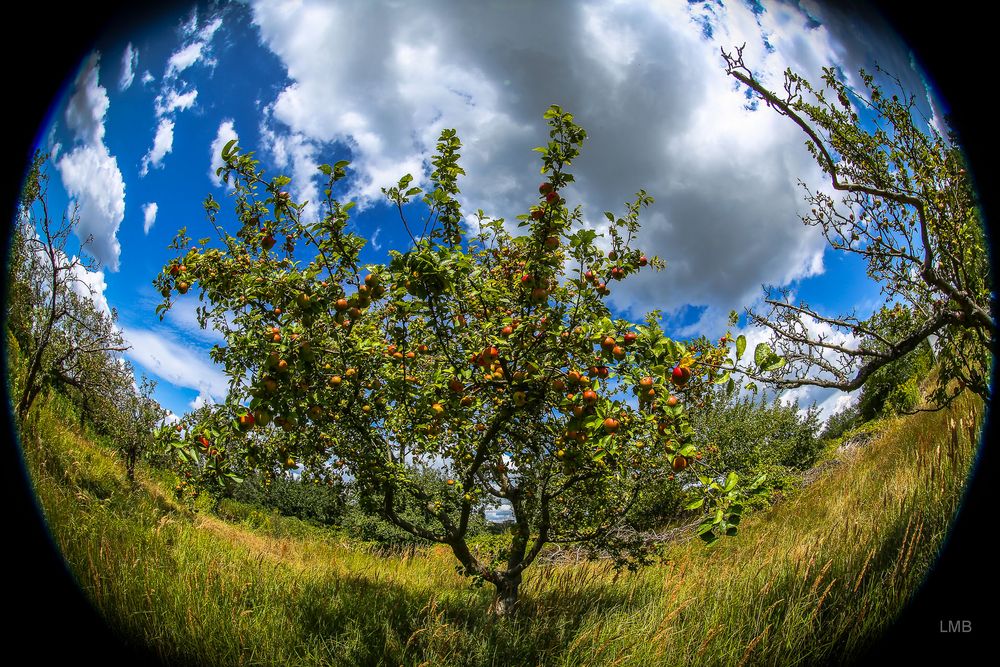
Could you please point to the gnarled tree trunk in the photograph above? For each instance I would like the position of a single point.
(505, 599)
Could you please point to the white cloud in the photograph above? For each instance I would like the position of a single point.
(93, 285)
(147, 78)
(91, 176)
(179, 364)
(184, 58)
(201, 400)
(225, 134)
(130, 61)
(297, 153)
(149, 216)
(171, 100)
(195, 51)
(169, 418)
(89, 104)
(652, 94)
(163, 143)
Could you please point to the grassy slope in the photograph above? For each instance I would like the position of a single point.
(813, 580)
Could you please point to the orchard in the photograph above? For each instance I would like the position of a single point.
(487, 359)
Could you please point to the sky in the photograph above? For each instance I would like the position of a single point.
(135, 140)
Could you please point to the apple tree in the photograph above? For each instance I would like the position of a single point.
(905, 203)
(476, 367)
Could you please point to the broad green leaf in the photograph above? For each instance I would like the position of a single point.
(741, 346)
(722, 379)
(731, 480)
(695, 504)
(761, 354)
(776, 363)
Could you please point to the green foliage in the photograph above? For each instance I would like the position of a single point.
(475, 356)
(840, 423)
(306, 499)
(894, 388)
(743, 434)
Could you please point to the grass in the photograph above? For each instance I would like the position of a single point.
(816, 579)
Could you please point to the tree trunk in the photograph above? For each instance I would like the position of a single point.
(505, 599)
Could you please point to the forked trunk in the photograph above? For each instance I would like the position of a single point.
(505, 598)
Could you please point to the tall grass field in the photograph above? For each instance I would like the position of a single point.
(814, 580)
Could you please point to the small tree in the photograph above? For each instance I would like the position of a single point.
(474, 367)
(61, 332)
(134, 419)
(908, 208)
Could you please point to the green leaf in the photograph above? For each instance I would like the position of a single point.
(705, 526)
(326, 169)
(731, 531)
(731, 480)
(709, 537)
(741, 346)
(775, 363)
(227, 148)
(723, 379)
(761, 354)
(695, 504)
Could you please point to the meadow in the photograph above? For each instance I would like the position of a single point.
(813, 580)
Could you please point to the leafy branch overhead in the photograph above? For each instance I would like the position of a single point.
(908, 208)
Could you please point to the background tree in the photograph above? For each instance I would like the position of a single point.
(908, 208)
(60, 331)
(135, 417)
(474, 367)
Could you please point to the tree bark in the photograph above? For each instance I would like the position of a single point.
(505, 599)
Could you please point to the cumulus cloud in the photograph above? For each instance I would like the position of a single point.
(179, 364)
(644, 79)
(130, 61)
(296, 153)
(163, 143)
(149, 216)
(89, 104)
(90, 174)
(225, 134)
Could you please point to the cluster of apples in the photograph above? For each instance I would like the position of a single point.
(182, 281)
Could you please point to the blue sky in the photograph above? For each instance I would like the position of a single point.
(302, 83)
